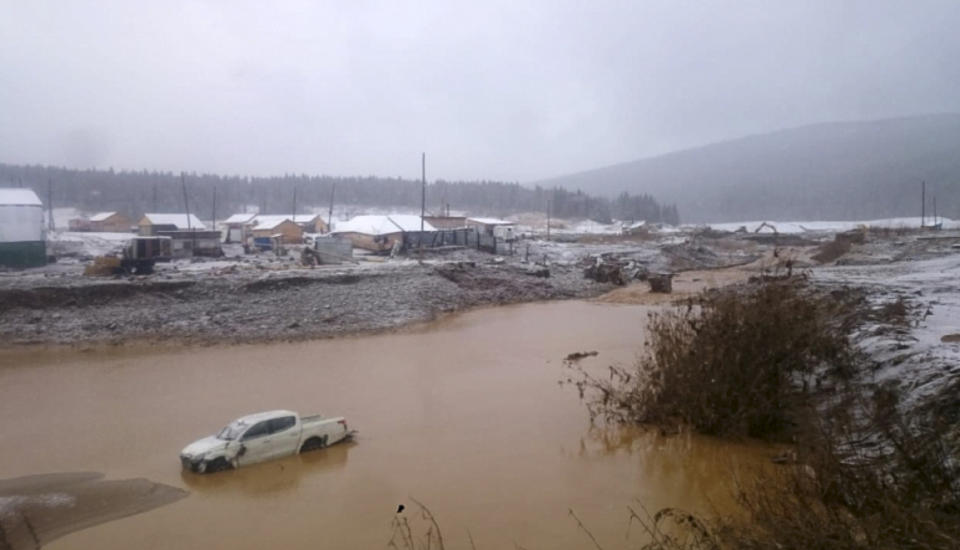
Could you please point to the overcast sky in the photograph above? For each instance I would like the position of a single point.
(510, 90)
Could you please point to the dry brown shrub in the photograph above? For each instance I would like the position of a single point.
(832, 250)
(727, 362)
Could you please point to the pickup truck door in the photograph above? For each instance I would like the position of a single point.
(285, 433)
(257, 444)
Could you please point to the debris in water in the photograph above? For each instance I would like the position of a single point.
(578, 355)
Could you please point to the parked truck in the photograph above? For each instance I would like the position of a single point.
(260, 437)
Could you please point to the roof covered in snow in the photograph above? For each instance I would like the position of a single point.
(240, 218)
(19, 197)
(269, 222)
(101, 216)
(177, 220)
(491, 221)
(382, 225)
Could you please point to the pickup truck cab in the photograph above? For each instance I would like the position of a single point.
(262, 436)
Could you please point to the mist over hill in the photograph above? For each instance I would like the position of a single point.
(832, 171)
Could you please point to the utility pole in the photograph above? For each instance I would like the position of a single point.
(423, 193)
(50, 223)
(548, 219)
(186, 206)
(155, 197)
(934, 210)
(333, 191)
(213, 215)
(923, 204)
(294, 219)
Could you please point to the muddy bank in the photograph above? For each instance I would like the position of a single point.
(37, 509)
(283, 305)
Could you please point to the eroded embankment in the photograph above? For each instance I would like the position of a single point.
(37, 509)
(289, 305)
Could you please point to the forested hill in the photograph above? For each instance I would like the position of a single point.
(138, 192)
(836, 171)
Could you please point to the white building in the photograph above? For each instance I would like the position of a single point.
(22, 237)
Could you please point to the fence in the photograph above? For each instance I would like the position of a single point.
(468, 237)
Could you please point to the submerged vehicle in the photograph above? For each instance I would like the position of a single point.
(263, 436)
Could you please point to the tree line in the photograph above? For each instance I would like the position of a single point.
(212, 196)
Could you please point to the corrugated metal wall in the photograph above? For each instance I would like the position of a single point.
(21, 224)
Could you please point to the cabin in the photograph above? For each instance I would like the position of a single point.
(311, 223)
(152, 224)
(494, 227)
(22, 237)
(270, 226)
(238, 228)
(190, 236)
(110, 222)
(78, 224)
(379, 233)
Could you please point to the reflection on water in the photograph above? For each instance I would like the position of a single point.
(270, 477)
(464, 415)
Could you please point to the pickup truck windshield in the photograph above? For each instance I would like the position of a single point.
(232, 431)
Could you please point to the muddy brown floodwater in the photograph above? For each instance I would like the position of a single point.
(464, 414)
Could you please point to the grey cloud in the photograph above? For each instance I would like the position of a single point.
(496, 90)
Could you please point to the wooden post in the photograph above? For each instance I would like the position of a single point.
(548, 219)
(423, 189)
(333, 190)
(186, 206)
(294, 220)
(50, 223)
(214, 209)
(923, 204)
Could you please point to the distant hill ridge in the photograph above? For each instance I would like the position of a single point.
(830, 171)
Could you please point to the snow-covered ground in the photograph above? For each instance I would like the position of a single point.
(74, 243)
(830, 226)
(918, 360)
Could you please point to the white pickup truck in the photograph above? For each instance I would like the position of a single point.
(262, 436)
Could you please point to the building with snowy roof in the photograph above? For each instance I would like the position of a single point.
(380, 233)
(190, 236)
(237, 227)
(494, 227)
(152, 224)
(277, 226)
(110, 222)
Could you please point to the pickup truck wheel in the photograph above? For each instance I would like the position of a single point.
(217, 465)
(313, 444)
